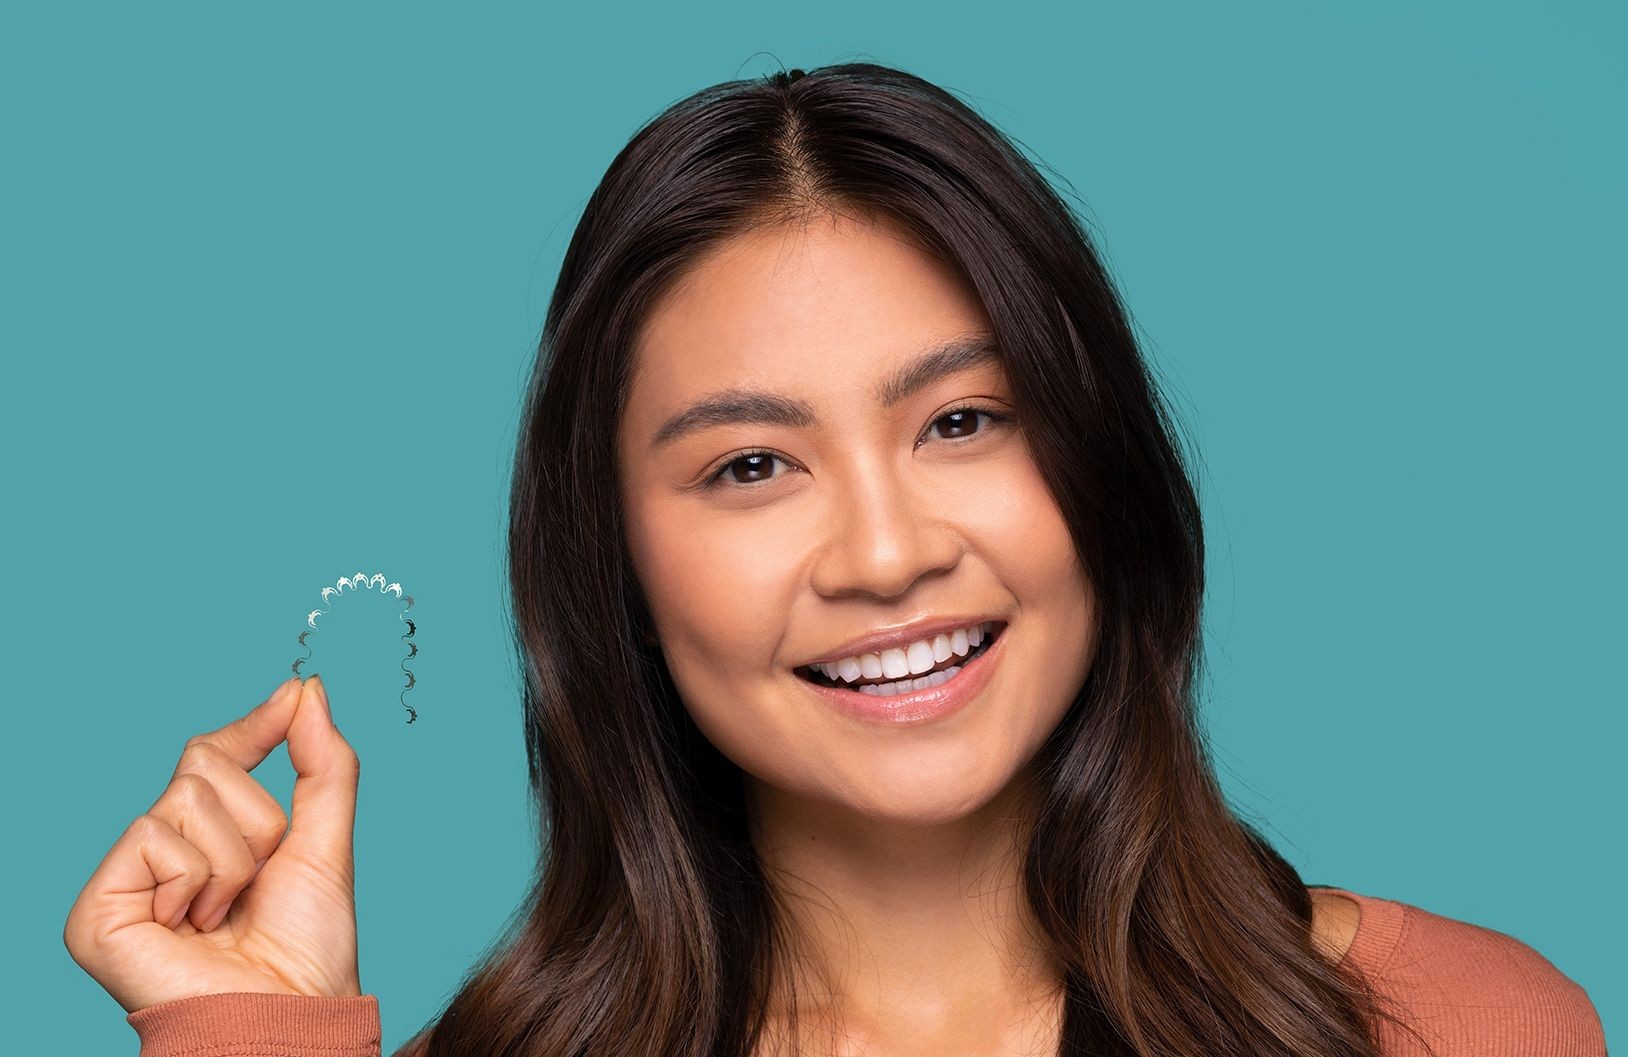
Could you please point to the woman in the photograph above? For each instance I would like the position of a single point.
(857, 575)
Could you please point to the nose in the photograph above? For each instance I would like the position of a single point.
(881, 535)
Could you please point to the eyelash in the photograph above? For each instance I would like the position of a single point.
(716, 476)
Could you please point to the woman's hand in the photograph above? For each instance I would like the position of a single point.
(212, 890)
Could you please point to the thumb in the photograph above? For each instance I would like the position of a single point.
(326, 770)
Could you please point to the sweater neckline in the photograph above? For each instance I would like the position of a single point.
(1379, 929)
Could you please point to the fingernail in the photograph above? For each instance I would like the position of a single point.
(215, 918)
(321, 691)
(276, 695)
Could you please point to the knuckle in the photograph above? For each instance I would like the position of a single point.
(80, 936)
(72, 934)
(346, 759)
(148, 827)
(198, 751)
(189, 788)
(189, 782)
(197, 869)
(270, 826)
(238, 873)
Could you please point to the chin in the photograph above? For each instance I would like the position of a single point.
(920, 792)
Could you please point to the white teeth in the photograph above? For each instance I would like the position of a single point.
(911, 660)
(904, 686)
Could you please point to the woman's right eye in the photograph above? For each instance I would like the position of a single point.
(754, 462)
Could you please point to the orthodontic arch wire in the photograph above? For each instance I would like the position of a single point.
(362, 582)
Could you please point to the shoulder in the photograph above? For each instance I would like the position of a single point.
(1334, 921)
(1476, 989)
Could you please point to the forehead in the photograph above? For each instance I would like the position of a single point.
(776, 304)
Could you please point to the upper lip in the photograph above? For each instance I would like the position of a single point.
(899, 636)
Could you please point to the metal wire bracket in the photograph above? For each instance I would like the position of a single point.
(361, 582)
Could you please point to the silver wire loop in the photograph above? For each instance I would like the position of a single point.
(363, 582)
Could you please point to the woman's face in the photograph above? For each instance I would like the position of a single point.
(872, 507)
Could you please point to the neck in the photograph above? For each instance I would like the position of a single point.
(901, 932)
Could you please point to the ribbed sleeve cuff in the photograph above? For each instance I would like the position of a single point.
(251, 1024)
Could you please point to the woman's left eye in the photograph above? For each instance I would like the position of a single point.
(961, 423)
(963, 417)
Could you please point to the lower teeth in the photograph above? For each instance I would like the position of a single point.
(905, 686)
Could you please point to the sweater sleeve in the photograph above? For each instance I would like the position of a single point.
(251, 1024)
(1470, 990)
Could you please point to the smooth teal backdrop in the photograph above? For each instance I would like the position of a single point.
(273, 277)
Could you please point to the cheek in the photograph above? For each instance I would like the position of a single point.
(1035, 555)
(719, 596)
(1029, 545)
(1013, 524)
(716, 588)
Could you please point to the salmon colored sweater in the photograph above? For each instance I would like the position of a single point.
(1469, 990)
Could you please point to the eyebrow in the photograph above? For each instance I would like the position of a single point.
(758, 406)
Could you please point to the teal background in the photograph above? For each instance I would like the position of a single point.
(273, 278)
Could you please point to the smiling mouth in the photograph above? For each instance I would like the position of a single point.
(953, 664)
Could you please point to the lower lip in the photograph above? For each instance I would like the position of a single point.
(917, 706)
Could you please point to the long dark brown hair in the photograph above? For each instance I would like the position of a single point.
(651, 928)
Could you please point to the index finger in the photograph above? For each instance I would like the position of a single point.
(250, 738)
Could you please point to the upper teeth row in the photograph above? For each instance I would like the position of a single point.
(908, 660)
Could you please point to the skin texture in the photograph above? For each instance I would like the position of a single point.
(895, 845)
(1334, 922)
